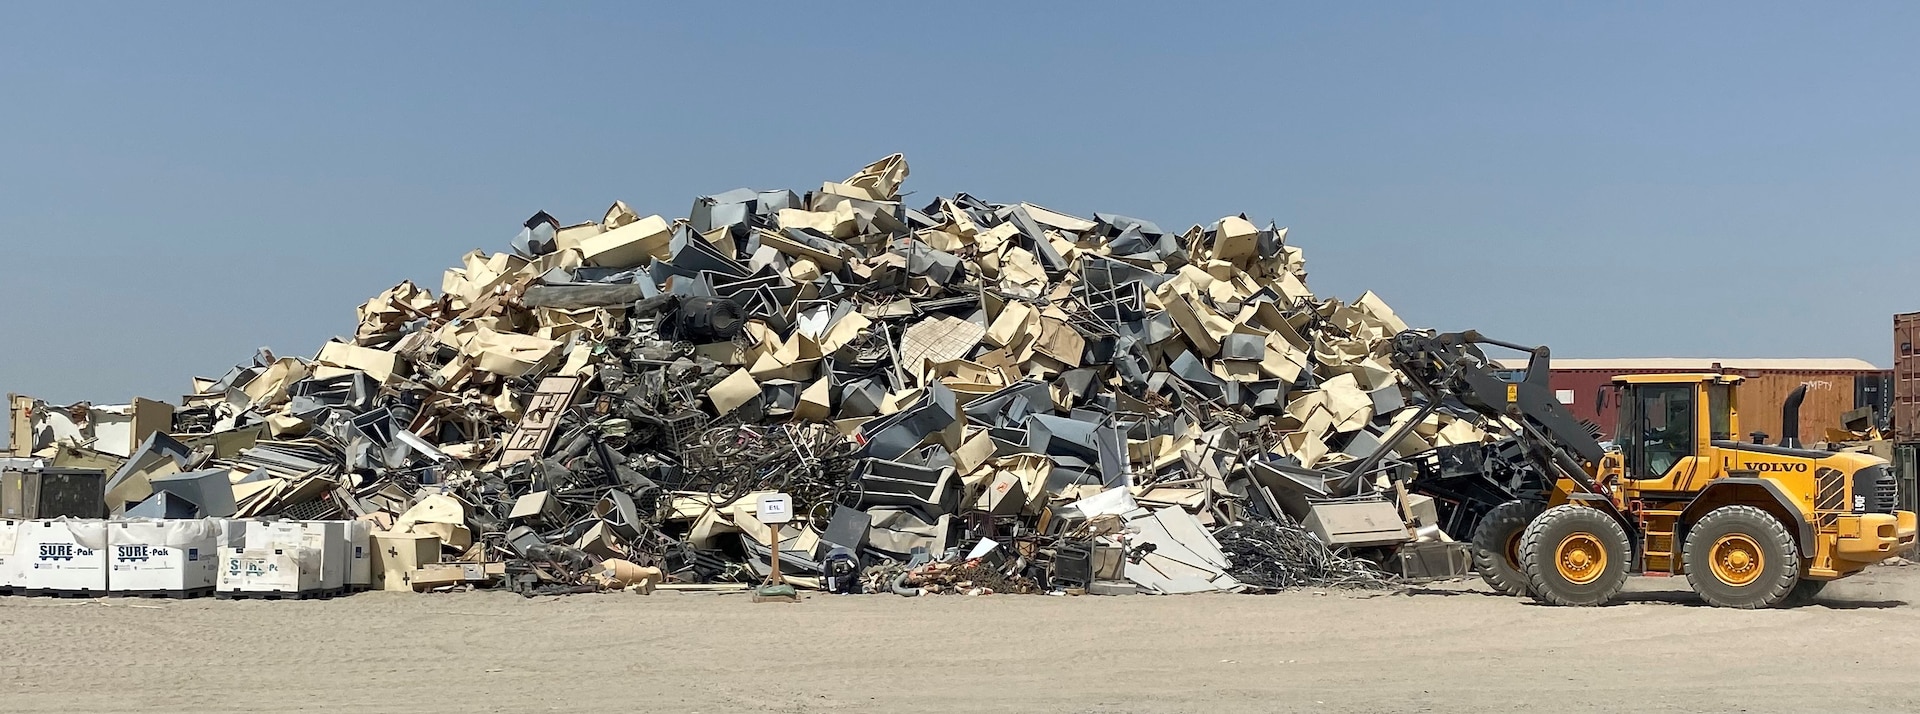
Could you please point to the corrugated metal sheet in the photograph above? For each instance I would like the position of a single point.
(1906, 470)
(1761, 395)
(1906, 376)
(1653, 365)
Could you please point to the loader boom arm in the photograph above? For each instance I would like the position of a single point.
(1451, 368)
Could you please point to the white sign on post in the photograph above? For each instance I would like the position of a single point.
(775, 508)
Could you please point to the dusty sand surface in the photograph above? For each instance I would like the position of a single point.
(1441, 649)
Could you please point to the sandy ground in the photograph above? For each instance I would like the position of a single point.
(1446, 648)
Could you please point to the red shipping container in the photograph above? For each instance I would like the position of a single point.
(1906, 377)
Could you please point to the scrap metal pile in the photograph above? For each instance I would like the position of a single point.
(964, 396)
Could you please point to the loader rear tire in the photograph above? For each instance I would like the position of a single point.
(1496, 545)
(1575, 556)
(1741, 557)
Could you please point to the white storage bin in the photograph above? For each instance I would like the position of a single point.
(360, 552)
(328, 540)
(290, 571)
(9, 563)
(338, 556)
(233, 532)
(178, 557)
(53, 561)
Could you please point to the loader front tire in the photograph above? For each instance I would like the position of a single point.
(1496, 545)
(1741, 557)
(1575, 556)
(1804, 593)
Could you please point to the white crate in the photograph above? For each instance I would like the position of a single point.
(290, 570)
(328, 540)
(233, 532)
(162, 556)
(9, 563)
(360, 548)
(53, 560)
(338, 556)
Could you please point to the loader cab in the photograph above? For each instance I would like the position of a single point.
(1668, 423)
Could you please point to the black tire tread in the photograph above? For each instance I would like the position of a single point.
(1768, 532)
(1489, 545)
(1601, 524)
(1804, 593)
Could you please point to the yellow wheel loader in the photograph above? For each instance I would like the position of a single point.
(1565, 520)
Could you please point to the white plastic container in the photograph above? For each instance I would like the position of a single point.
(360, 550)
(178, 557)
(9, 563)
(53, 561)
(327, 539)
(284, 570)
(338, 556)
(233, 532)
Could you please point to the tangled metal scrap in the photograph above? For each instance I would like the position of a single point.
(1276, 554)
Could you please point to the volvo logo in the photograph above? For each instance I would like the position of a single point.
(1767, 467)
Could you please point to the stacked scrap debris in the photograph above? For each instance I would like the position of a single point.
(966, 392)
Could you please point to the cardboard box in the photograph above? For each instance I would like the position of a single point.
(397, 554)
(280, 569)
(162, 556)
(52, 559)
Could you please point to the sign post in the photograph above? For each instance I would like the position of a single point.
(775, 510)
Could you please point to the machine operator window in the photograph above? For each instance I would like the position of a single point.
(1720, 410)
(1665, 431)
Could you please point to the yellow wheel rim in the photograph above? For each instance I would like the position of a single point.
(1513, 550)
(1580, 558)
(1737, 559)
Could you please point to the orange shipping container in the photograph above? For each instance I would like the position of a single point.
(1580, 384)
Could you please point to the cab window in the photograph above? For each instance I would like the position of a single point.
(1720, 410)
(1659, 427)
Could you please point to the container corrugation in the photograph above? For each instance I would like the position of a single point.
(1761, 396)
(1906, 469)
(1906, 377)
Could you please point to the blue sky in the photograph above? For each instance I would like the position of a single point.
(185, 182)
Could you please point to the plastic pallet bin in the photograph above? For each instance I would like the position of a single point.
(289, 571)
(327, 539)
(359, 555)
(9, 563)
(52, 561)
(178, 558)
